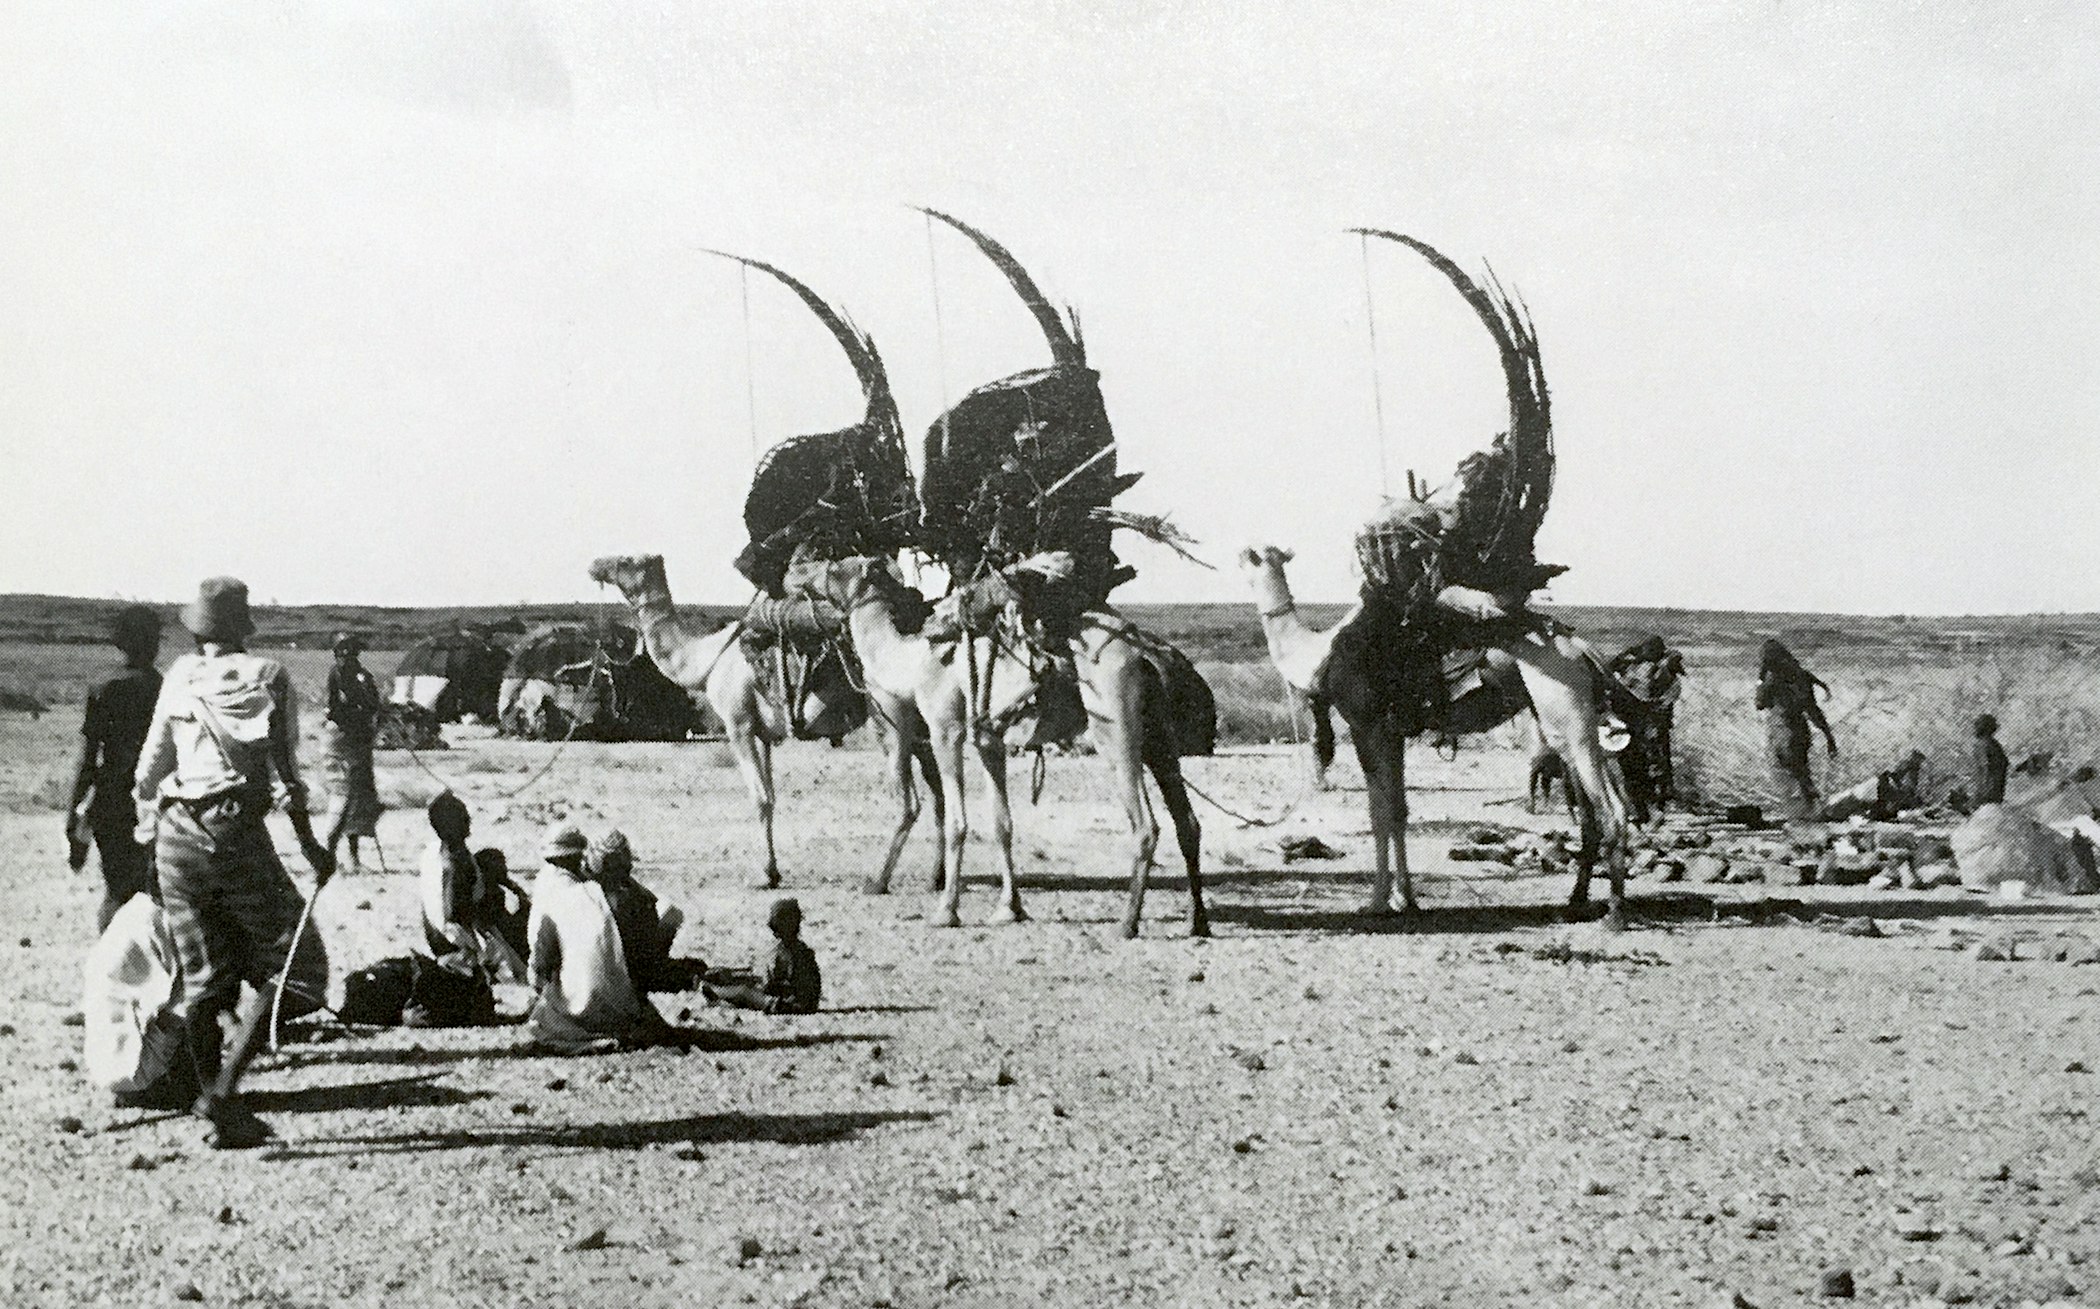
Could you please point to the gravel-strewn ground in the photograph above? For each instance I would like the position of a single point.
(1734, 1099)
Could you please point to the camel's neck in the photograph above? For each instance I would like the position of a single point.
(1296, 648)
(885, 652)
(657, 617)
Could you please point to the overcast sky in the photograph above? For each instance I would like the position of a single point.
(406, 302)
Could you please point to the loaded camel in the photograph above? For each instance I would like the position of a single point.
(711, 668)
(924, 693)
(1551, 673)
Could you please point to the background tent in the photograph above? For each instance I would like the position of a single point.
(593, 683)
(452, 675)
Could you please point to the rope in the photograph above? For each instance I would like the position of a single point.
(1385, 477)
(415, 756)
(750, 385)
(940, 343)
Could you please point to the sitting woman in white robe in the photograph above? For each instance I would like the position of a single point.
(586, 999)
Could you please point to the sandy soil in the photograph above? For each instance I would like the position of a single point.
(1733, 1099)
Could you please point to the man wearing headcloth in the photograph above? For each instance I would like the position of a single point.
(119, 710)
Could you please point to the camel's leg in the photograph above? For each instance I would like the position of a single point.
(1188, 834)
(763, 751)
(1586, 857)
(743, 741)
(955, 829)
(1370, 755)
(899, 748)
(1396, 823)
(1129, 777)
(930, 770)
(991, 752)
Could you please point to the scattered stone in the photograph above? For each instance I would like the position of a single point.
(2075, 1066)
(7, 1029)
(874, 1052)
(1860, 925)
(1003, 1077)
(1464, 1057)
(1995, 949)
(1196, 976)
(878, 1078)
(1913, 1229)
(521, 1108)
(1835, 1284)
(1594, 1187)
(226, 1215)
(68, 1066)
(142, 1163)
(690, 1153)
(71, 1020)
(1705, 867)
(188, 1292)
(1250, 1060)
(557, 1083)
(1242, 1146)
(749, 1248)
(595, 1240)
(69, 1125)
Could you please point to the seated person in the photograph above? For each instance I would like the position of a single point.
(464, 905)
(646, 932)
(792, 985)
(1882, 796)
(586, 1001)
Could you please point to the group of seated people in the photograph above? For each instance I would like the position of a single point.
(590, 940)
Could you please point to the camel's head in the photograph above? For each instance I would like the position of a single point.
(633, 575)
(1263, 566)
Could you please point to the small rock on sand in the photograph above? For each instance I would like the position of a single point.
(1995, 949)
(1861, 925)
(596, 1239)
(188, 1292)
(1835, 1284)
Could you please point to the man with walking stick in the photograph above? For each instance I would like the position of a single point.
(222, 746)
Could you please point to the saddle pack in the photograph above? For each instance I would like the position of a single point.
(797, 648)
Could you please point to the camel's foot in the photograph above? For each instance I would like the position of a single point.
(1615, 918)
(771, 881)
(1129, 927)
(1199, 925)
(944, 917)
(1380, 909)
(1009, 913)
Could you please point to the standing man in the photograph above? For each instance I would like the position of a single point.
(1655, 674)
(1987, 762)
(118, 713)
(223, 739)
(351, 731)
(1787, 693)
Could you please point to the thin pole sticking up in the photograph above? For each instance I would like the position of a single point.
(750, 385)
(1385, 476)
(940, 344)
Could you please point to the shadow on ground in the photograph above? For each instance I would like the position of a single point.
(420, 1092)
(701, 1129)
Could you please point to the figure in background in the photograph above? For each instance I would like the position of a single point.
(1786, 692)
(467, 895)
(646, 931)
(223, 738)
(347, 739)
(587, 1002)
(792, 985)
(119, 710)
(1654, 673)
(1987, 763)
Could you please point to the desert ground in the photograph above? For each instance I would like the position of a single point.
(1733, 1102)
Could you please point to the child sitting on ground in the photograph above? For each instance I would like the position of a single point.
(792, 985)
(646, 932)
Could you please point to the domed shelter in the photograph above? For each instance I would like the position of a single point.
(452, 675)
(593, 683)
